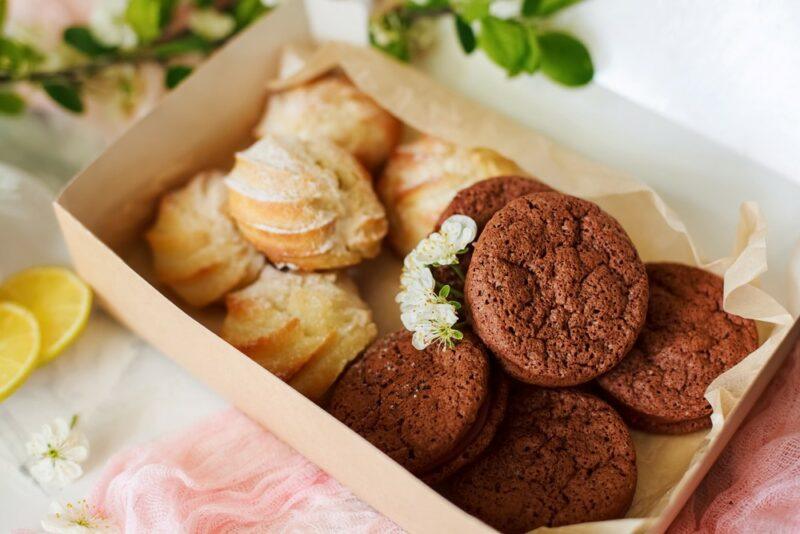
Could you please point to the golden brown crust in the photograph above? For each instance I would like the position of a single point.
(332, 108)
(303, 327)
(197, 250)
(422, 177)
(307, 203)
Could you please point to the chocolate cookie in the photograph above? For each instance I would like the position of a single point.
(479, 202)
(655, 425)
(687, 341)
(560, 457)
(432, 411)
(556, 289)
(483, 199)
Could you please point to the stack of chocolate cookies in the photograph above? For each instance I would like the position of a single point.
(559, 304)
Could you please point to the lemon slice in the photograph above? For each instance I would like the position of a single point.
(58, 299)
(19, 346)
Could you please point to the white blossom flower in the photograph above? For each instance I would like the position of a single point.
(211, 24)
(55, 454)
(79, 518)
(429, 314)
(269, 3)
(458, 231)
(435, 323)
(108, 25)
(418, 288)
(442, 247)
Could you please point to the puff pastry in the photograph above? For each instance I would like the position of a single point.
(423, 176)
(303, 327)
(333, 108)
(197, 250)
(305, 203)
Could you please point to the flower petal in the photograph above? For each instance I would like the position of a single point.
(65, 472)
(61, 430)
(459, 230)
(76, 453)
(42, 470)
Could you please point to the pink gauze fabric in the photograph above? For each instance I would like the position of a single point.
(755, 484)
(227, 474)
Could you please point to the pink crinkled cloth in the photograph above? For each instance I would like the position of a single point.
(755, 484)
(228, 475)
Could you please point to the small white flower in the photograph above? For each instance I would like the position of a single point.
(418, 288)
(79, 518)
(55, 454)
(211, 24)
(458, 231)
(108, 25)
(423, 311)
(436, 323)
(269, 3)
(442, 247)
(431, 250)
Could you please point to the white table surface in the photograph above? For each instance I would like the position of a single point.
(697, 99)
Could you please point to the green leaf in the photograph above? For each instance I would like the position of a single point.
(65, 94)
(247, 11)
(16, 58)
(389, 33)
(81, 39)
(530, 7)
(11, 103)
(465, 35)
(204, 3)
(182, 45)
(472, 10)
(425, 6)
(534, 57)
(565, 59)
(444, 291)
(144, 16)
(505, 42)
(545, 8)
(166, 12)
(176, 74)
(457, 334)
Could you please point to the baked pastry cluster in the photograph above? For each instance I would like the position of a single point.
(297, 201)
(303, 327)
(197, 250)
(556, 303)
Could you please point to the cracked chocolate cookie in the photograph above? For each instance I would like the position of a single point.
(687, 341)
(479, 202)
(482, 200)
(556, 290)
(560, 457)
(432, 411)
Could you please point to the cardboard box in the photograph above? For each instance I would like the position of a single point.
(103, 211)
